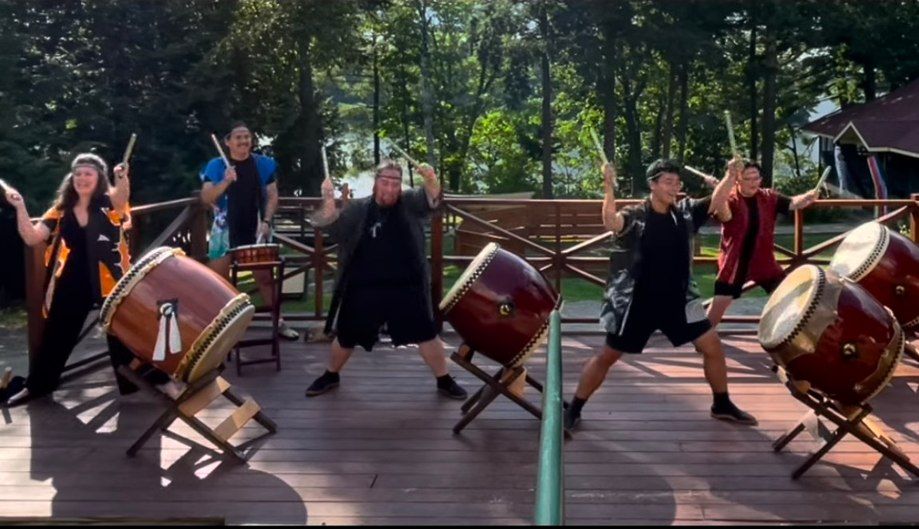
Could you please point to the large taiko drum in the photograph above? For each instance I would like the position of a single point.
(827, 330)
(886, 264)
(255, 253)
(500, 306)
(176, 314)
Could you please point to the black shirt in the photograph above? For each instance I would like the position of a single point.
(244, 201)
(664, 264)
(75, 284)
(383, 258)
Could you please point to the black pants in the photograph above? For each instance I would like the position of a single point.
(60, 336)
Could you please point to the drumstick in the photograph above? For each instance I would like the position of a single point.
(217, 144)
(404, 154)
(599, 146)
(697, 172)
(727, 120)
(823, 177)
(130, 148)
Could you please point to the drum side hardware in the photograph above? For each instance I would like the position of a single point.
(849, 352)
(506, 308)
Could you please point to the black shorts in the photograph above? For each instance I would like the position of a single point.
(727, 289)
(647, 316)
(404, 311)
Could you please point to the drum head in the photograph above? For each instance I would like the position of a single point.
(216, 341)
(469, 275)
(861, 251)
(269, 246)
(790, 305)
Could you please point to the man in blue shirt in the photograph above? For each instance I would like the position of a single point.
(245, 198)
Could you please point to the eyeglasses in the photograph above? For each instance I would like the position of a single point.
(678, 184)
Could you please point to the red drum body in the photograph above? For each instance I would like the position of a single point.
(886, 264)
(500, 306)
(176, 314)
(255, 253)
(827, 330)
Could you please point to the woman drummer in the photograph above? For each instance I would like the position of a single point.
(86, 256)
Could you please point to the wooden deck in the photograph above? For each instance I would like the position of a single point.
(380, 450)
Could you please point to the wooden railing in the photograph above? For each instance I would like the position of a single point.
(561, 238)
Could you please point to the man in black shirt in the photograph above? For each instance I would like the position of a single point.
(650, 284)
(245, 196)
(383, 273)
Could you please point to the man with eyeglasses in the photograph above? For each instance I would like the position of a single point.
(748, 238)
(650, 284)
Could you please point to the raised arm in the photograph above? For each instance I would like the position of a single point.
(31, 234)
(327, 213)
(210, 191)
(719, 206)
(120, 193)
(803, 200)
(612, 220)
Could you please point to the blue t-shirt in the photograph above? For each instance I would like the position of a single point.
(243, 203)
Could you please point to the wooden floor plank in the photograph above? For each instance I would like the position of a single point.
(380, 450)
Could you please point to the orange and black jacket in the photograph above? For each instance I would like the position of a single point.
(106, 248)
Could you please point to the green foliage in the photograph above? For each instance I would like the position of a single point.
(652, 77)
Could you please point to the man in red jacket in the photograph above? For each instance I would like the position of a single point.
(748, 238)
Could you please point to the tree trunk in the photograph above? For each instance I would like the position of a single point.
(870, 82)
(770, 77)
(683, 81)
(658, 125)
(751, 88)
(546, 106)
(427, 100)
(667, 131)
(607, 91)
(376, 104)
(308, 125)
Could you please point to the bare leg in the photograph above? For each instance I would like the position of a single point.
(595, 371)
(717, 309)
(716, 369)
(338, 357)
(432, 351)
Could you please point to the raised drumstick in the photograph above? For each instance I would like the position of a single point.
(130, 148)
(404, 154)
(823, 177)
(727, 120)
(599, 146)
(220, 150)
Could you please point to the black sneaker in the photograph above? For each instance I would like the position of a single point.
(323, 384)
(571, 419)
(452, 390)
(732, 413)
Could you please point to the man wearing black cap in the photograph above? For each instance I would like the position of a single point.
(650, 284)
(383, 274)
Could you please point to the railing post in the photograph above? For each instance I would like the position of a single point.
(799, 235)
(558, 248)
(319, 268)
(198, 229)
(550, 489)
(437, 258)
(914, 218)
(35, 278)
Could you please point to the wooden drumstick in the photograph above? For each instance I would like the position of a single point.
(727, 120)
(599, 146)
(220, 150)
(404, 154)
(130, 148)
(697, 172)
(823, 177)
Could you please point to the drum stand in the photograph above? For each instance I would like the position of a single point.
(494, 385)
(855, 422)
(196, 397)
(276, 268)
